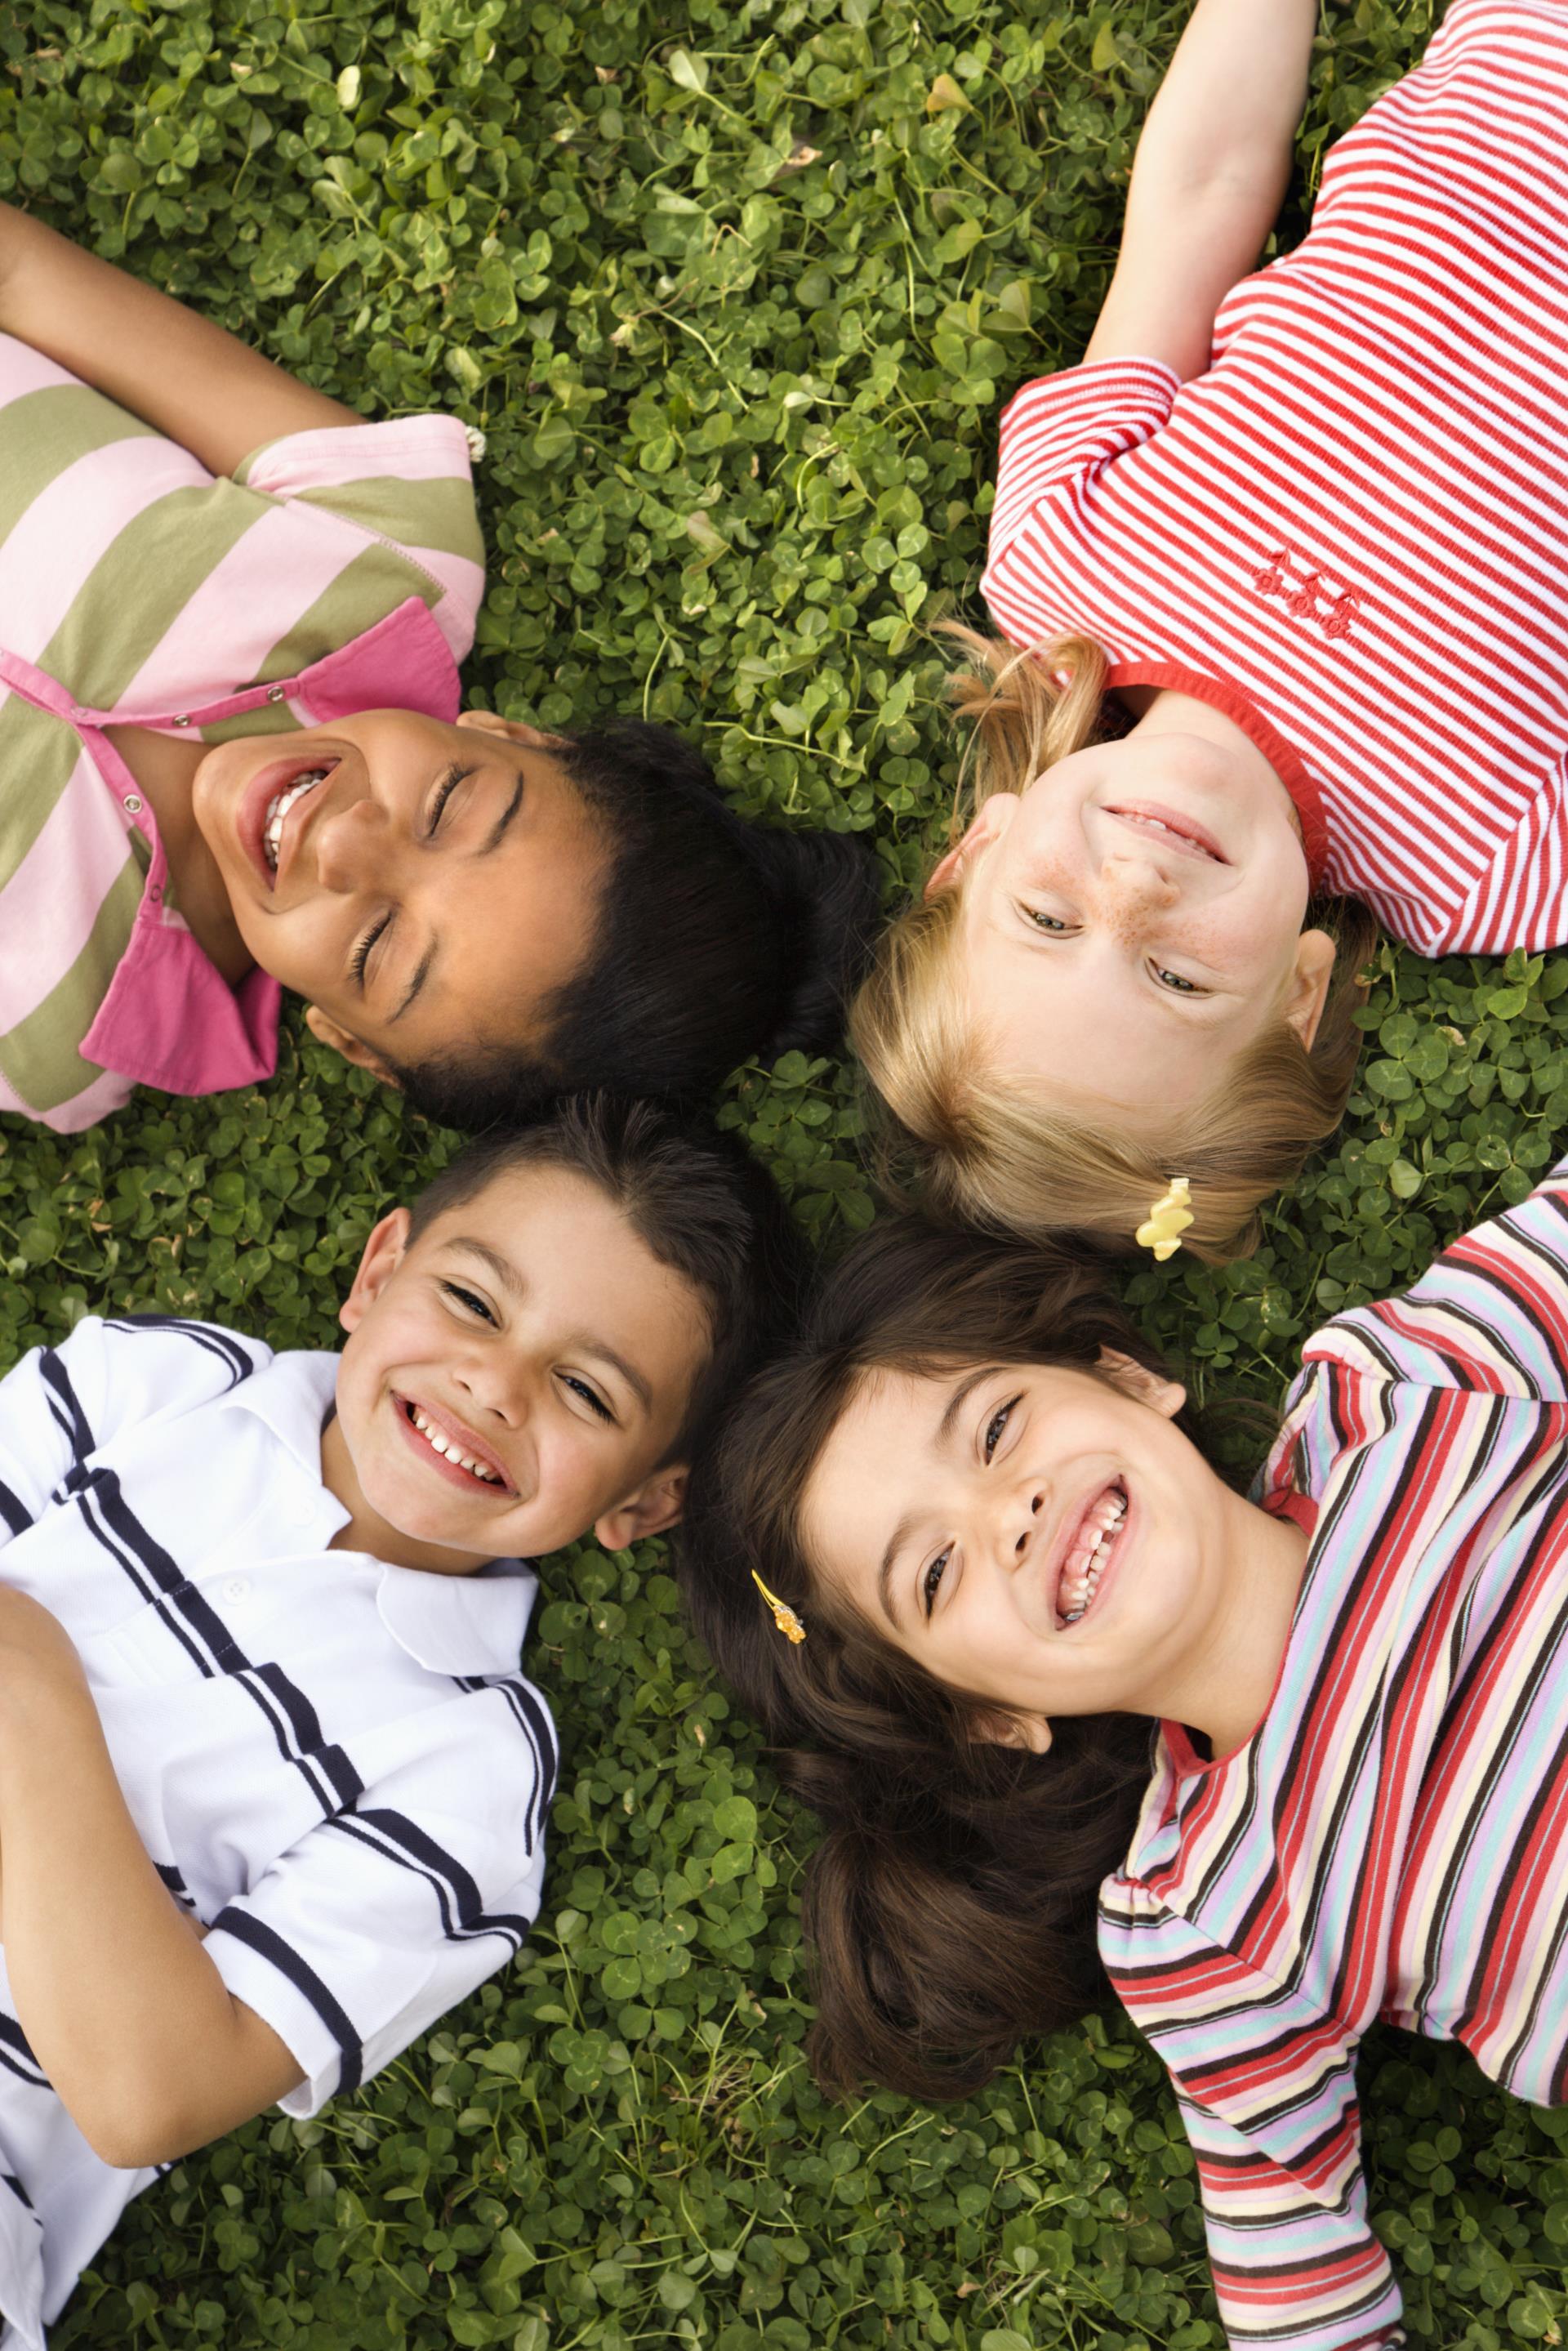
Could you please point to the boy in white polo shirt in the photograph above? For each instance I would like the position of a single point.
(272, 1785)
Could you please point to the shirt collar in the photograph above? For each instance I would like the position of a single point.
(448, 1624)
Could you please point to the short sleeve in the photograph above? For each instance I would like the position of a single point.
(406, 483)
(1064, 428)
(1490, 1315)
(358, 1939)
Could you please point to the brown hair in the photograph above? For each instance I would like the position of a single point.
(980, 1148)
(951, 1902)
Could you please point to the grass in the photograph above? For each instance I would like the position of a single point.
(736, 291)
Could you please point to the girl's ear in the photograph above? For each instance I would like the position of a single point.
(328, 1032)
(1162, 1395)
(490, 721)
(1308, 991)
(1030, 1732)
(991, 821)
(649, 1511)
(382, 1255)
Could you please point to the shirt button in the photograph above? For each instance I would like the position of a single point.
(236, 1588)
(302, 1515)
(179, 722)
(133, 803)
(275, 694)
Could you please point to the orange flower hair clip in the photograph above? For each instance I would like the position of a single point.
(784, 1617)
(1167, 1220)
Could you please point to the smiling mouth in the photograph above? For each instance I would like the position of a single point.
(278, 806)
(456, 1457)
(1179, 832)
(1089, 1554)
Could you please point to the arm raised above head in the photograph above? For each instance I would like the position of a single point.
(1211, 171)
(189, 379)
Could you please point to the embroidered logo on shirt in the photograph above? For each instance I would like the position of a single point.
(1311, 595)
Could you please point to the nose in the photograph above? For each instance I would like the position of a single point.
(498, 1397)
(353, 847)
(1021, 1522)
(1136, 883)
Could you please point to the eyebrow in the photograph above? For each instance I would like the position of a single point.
(900, 1535)
(585, 1342)
(493, 840)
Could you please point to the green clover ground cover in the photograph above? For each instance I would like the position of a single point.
(735, 290)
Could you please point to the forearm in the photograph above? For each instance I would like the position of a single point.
(1225, 116)
(196, 383)
(124, 2011)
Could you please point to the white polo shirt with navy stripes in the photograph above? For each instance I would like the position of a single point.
(335, 1764)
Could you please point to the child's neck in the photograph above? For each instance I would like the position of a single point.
(1236, 1665)
(163, 770)
(367, 1531)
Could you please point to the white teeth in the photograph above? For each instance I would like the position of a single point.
(278, 807)
(439, 1442)
(1081, 1578)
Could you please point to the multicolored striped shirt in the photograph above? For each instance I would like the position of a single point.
(338, 570)
(1348, 532)
(1392, 1842)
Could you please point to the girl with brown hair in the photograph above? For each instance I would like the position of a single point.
(1080, 1718)
(1296, 534)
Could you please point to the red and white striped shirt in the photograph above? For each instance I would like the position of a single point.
(1392, 1842)
(1352, 532)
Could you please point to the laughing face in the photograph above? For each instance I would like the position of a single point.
(406, 876)
(514, 1375)
(1040, 1537)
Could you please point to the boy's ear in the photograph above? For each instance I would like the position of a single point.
(328, 1032)
(490, 721)
(383, 1254)
(1307, 990)
(1162, 1395)
(649, 1511)
(984, 827)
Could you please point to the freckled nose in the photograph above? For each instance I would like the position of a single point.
(1136, 885)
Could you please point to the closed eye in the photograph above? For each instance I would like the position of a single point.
(362, 952)
(590, 1397)
(1054, 926)
(471, 1302)
(454, 776)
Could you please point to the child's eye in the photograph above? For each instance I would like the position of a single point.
(1173, 979)
(362, 952)
(590, 1397)
(996, 1424)
(1052, 923)
(449, 784)
(469, 1301)
(931, 1583)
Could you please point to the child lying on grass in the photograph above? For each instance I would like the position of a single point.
(231, 615)
(1074, 1709)
(1307, 529)
(272, 1789)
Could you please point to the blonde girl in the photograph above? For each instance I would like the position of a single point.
(1279, 570)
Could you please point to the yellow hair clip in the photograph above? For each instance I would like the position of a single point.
(784, 1617)
(1167, 1220)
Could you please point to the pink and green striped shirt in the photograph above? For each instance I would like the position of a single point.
(338, 570)
(1392, 1842)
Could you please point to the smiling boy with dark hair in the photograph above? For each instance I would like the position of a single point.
(272, 1786)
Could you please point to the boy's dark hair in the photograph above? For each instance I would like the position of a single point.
(697, 1200)
(716, 939)
(951, 1903)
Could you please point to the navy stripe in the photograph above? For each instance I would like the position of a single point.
(533, 1722)
(17, 2191)
(65, 1407)
(12, 1510)
(193, 1621)
(15, 2055)
(462, 1912)
(269, 1945)
(230, 1351)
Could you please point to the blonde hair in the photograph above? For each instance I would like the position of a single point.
(984, 1150)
